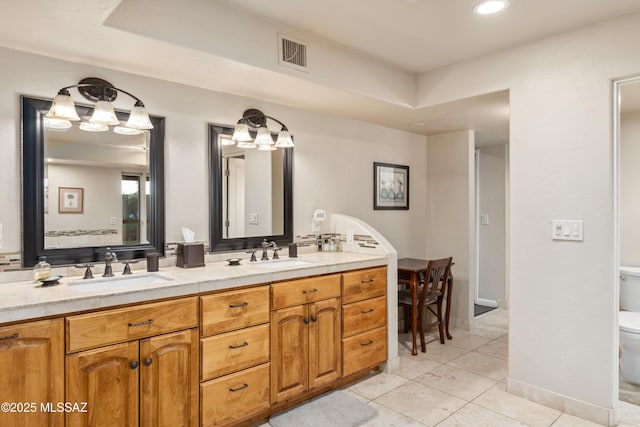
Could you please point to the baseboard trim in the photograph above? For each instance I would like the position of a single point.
(487, 302)
(578, 408)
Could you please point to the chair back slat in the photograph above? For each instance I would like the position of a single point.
(438, 271)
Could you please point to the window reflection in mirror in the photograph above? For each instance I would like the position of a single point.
(110, 168)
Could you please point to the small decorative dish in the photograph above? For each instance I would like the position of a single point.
(234, 261)
(50, 281)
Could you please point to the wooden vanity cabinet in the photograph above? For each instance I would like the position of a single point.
(364, 314)
(219, 359)
(305, 335)
(32, 373)
(150, 381)
(235, 355)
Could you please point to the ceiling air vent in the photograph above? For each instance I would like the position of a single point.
(293, 53)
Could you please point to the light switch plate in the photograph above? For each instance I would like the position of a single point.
(567, 229)
(253, 218)
(484, 219)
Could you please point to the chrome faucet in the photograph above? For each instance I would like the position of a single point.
(265, 245)
(275, 248)
(109, 257)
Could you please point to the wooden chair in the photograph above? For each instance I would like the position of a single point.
(431, 294)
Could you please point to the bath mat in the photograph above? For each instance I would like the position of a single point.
(336, 409)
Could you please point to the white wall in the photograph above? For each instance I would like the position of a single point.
(491, 267)
(330, 64)
(333, 166)
(102, 198)
(450, 195)
(257, 192)
(630, 189)
(563, 307)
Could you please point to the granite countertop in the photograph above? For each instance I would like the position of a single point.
(28, 300)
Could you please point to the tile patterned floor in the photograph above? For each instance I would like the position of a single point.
(461, 383)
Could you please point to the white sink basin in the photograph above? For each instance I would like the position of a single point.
(119, 282)
(282, 263)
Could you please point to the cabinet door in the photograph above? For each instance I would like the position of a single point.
(289, 352)
(169, 380)
(107, 380)
(324, 342)
(32, 371)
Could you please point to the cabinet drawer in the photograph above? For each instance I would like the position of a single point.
(236, 309)
(230, 352)
(364, 350)
(124, 324)
(363, 284)
(235, 397)
(364, 315)
(296, 292)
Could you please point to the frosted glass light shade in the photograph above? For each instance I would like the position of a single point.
(227, 141)
(263, 137)
(284, 140)
(139, 118)
(266, 147)
(248, 145)
(63, 108)
(56, 124)
(241, 133)
(93, 127)
(126, 131)
(103, 114)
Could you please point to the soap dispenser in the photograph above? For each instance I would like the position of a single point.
(42, 269)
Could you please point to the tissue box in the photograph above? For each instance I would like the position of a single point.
(190, 255)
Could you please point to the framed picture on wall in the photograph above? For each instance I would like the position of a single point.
(390, 187)
(70, 200)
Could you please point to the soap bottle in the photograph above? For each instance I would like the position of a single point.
(42, 269)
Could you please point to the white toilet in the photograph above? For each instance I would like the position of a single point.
(629, 324)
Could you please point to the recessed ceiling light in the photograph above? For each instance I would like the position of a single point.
(488, 7)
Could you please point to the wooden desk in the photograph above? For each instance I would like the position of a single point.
(411, 268)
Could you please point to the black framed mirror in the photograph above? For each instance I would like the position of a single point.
(258, 205)
(86, 213)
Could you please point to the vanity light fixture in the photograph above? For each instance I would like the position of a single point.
(57, 124)
(103, 94)
(263, 141)
(487, 7)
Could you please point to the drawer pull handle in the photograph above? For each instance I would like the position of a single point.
(148, 361)
(146, 322)
(310, 291)
(314, 318)
(134, 364)
(306, 320)
(367, 311)
(242, 387)
(244, 304)
(10, 337)
(367, 343)
(244, 344)
(366, 281)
